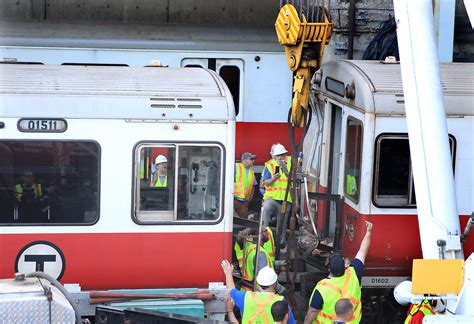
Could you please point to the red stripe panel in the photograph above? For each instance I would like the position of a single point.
(130, 260)
(258, 138)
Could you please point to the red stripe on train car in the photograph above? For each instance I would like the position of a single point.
(130, 260)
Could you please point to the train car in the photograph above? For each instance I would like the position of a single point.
(250, 61)
(359, 150)
(77, 199)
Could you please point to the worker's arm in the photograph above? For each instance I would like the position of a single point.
(228, 270)
(272, 180)
(365, 245)
(311, 315)
(230, 310)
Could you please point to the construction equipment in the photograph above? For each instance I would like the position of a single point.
(99, 297)
(304, 28)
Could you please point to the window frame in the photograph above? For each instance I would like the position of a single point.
(99, 175)
(411, 192)
(176, 144)
(358, 121)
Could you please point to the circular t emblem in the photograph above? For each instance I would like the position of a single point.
(41, 256)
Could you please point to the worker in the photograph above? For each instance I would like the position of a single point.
(262, 182)
(160, 177)
(416, 312)
(275, 177)
(280, 311)
(249, 257)
(32, 199)
(344, 311)
(342, 282)
(255, 307)
(268, 244)
(28, 188)
(244, 183)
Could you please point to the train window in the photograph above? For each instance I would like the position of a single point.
(393, 178)
(49, 182)
(231, 75)
(177, 182)
(352, 169)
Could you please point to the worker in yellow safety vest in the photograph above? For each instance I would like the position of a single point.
(244, 183)
(275, 179)
(267, 240)
(28, 184)
(255, 307)
(342, 282)
(416, 312)
(351, 185)
(249, 262)
(160, 177)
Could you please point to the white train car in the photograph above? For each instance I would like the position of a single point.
(77, 145)
(364, 137)
(250, 61)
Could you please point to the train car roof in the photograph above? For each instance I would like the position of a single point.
(379, 89)
(40, 33)
(113, 92)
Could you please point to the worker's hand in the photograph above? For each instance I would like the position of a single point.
(229, 304)
(369, 226)
(277, 176)
(227, 267)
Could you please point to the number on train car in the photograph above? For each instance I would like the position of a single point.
(42, 125)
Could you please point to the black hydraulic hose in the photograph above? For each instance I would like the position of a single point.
(61, 288)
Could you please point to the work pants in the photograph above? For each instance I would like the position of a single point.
(272, 210)
(241, 207)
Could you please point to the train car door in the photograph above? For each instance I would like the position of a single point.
(334, 160)
(230, 70)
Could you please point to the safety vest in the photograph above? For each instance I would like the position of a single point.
(269, 245)
(36, 188)
(333, 289)
(258, 307)
(262, 182)
(243, 182)
(161, 185)
(239, 253)
(351, 185)
(248, 271)
(277, 190)
(414, 315)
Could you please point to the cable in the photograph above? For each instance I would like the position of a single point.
(384, 43)
(61, 288)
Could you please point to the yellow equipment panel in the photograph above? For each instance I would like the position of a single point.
(437, 276)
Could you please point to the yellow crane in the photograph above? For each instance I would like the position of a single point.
(304, 28)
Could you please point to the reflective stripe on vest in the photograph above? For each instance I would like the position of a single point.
(333, 289)
(277, 190)
(243, 182)
(239, 253)
(36, 189)
(258, 307)
(269, 245)
(159, 184)
(424, 307)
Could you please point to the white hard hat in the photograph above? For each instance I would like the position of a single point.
(161, 159)
(402, 293)
(266, 276)
(279, 149)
